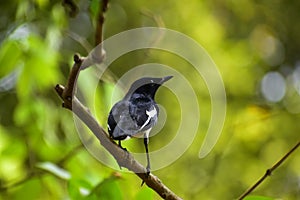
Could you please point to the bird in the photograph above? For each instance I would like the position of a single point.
(137, 113)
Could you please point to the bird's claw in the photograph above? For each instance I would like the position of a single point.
(124, 148)
(148, 171)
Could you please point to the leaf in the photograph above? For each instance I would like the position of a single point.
(54, 169)
(79, 189)
(108, 189)
(10, 54)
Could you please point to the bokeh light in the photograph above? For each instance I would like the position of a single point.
(273, 86)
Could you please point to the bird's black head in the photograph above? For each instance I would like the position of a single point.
(146, 86)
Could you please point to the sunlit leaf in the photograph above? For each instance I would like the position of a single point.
(40, 67)
(10, 54)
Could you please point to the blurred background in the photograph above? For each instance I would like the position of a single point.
(256, 46)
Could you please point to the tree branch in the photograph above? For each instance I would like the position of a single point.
(123, 158)
(100, 21)
(269, 172)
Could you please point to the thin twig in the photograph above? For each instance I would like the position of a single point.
(269, 171)
(100, 21)
(71, 82)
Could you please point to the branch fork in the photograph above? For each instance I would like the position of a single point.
(123, 158)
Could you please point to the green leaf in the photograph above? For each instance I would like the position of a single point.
(108, 190)
(54, 169)
(10, 54)
(79, 189)
(40, 68)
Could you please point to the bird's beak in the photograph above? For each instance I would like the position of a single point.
(164, 79)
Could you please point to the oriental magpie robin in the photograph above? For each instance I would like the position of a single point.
(136, 113)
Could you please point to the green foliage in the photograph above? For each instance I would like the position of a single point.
(258, 198)
(54, 169)
(107, 189)
(27, 190)
(41, 156)
(79, 189)
(145, 194)
(10, 55)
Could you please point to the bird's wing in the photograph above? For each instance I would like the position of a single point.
(128, 120)
(120, 123)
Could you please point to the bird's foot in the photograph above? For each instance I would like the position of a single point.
(148, 172)
(121, 146)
